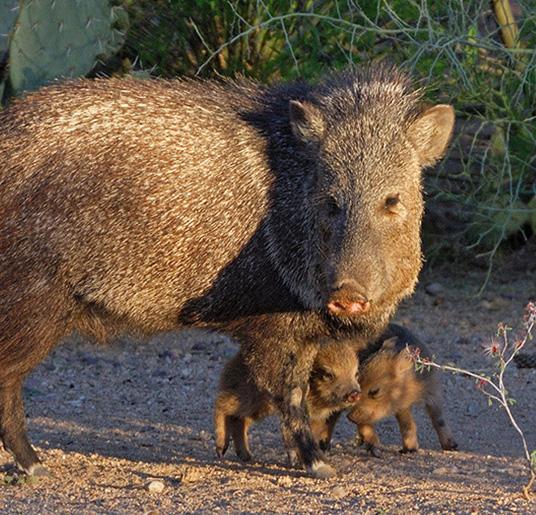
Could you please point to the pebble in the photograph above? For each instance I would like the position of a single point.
(434, 289)
(156, 487)
(339, 491)
(284, 481)
(473, 409)
(495, 304)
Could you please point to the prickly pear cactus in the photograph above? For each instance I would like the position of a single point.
(61, 38)
(9, 10)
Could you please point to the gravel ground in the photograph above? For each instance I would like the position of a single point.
(128, 427)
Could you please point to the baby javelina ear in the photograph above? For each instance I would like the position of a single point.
(430, 133)
(391, 386)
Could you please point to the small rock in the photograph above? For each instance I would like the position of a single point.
(191, 474)
(473, 409)
(494, 304)
(434, 289)
(339, 492)
(187, 357)
(156, 486)
(185, 372)
(167, 355)
(284, 481)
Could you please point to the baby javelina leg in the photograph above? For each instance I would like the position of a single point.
(434, 407)
(238, 405)
(368, 437)
(408, 430)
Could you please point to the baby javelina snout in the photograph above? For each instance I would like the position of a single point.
(333, 387)
(391, 385)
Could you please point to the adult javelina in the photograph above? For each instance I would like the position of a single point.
(278, 214)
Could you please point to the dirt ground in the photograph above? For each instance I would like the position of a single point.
(108, 421)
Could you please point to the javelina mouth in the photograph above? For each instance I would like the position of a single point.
(348, 308)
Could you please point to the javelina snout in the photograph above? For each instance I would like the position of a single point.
(348, 299)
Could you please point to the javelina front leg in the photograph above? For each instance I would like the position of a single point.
(435, 412)
(323, 430)
(296, 423)
(239, 429)
(13, 430)
(408, 430)
(288, 440)
(367, 435)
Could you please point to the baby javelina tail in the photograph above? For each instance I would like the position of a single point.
(333, 387)
(391, 386)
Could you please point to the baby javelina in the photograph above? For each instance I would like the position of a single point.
(333, 387)
(390, 385)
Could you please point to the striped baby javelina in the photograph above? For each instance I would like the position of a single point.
(392, 386)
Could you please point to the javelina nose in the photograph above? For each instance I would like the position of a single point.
(348, 300)
(353, 396)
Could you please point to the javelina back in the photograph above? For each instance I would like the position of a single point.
(333, 387)
(392, 386)
(278, 214)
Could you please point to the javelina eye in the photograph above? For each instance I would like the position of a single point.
(392, 201)
(373, 393)
(394, 205)
(327, 375)
(322, 374)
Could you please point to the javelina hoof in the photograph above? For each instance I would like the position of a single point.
(450, 445)
(245, 456)
(374, 451)
(325, 445)
(293, 459)
(408, 450)
(220, 451)
(321, 470)
(38, 470)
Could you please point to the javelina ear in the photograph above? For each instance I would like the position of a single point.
(390, 343)
(403, 363)
(430, 133)
(306, 121)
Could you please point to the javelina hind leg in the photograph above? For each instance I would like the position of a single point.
(435, 412)
(408, 430)
(222, 431)
(369, 438)
(13, 430)
(295, 420)
(239, 429)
